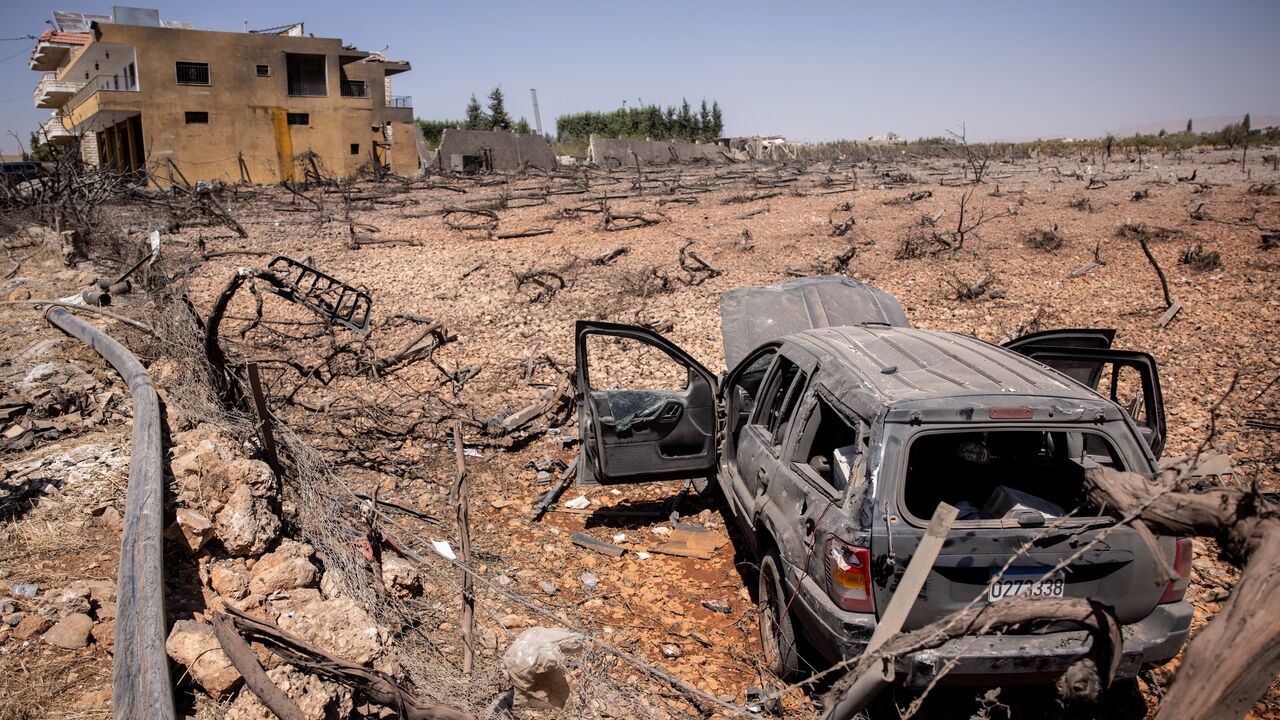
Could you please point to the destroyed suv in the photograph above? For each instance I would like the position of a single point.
(837, 431)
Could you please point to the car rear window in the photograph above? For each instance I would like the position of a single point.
(1001, 474)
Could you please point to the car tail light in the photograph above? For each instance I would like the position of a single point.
(850, 576)
(1174, 591)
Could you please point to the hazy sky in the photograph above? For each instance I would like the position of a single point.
(807, 70)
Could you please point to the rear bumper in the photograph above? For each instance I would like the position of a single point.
(1009, 658)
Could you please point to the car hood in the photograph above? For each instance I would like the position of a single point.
(750, 317)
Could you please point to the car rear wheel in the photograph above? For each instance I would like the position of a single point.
(777, 635)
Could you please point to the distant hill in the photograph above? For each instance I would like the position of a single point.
(1205, 124)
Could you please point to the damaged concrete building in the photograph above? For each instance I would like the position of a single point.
(621, 152)
(488, 150)
(162, 100)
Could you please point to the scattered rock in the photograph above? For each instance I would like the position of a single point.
(20, 294)
(194, 645)
(104, 634)
(24, 590)
(318, 700)
(31, 626)
(93, 699)
(720, 606)
(590, 580)
(71, 633)
(401, 577)
(338, 625)
(246, 525)
(229, 578)
(548, 587)
(195, 528)
(286, 568)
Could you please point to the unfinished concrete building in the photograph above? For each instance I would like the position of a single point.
(622, 152)
(162, 100)
(488, 150)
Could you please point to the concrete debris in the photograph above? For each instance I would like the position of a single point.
(194, 646)
(537, 663)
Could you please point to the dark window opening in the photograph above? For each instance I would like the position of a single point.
(830, 447)
(355, 148)
(783, 395)
(299, 118)
(264, 70)
(197, 118)
(192, 73)
(1001, 474)
(746, 390)
(355, 88)
(306, 74)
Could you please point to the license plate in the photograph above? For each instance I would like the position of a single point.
(1026, 581)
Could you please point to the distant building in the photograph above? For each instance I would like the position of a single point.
(160, 96)
(886, 139)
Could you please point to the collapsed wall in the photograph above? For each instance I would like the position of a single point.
(612, 153)
(477, 150)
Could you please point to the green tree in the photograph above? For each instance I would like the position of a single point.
(1189, 126)
(476, 119)
(1246, 124)
(42, 151)
(685, 122)
(498, 117)
(704, 122)
(717, 120)
(522, 126)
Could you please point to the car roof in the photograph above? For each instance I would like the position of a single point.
(893, 364)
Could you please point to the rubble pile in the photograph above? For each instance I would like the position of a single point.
(45, 401)
(228, 520)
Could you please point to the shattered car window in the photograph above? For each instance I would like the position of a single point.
(626, 363)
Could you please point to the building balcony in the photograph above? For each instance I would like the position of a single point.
(105, 99)
(51, 92)
(54, 132)
(48, 56)
(400, 101)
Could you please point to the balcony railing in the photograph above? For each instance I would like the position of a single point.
(52, 130)
(308, 87)
(50, 86)
(119, 83)
(400, 101)
(355, 89)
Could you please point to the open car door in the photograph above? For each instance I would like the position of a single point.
(1126, 377)
(1085, 372)
(647, 410)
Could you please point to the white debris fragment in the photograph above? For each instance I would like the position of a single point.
(582, 502)
(443, 549)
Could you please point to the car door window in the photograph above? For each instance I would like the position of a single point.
(775, 393)
(831, 446)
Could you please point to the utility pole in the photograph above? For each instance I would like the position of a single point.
(537, 117)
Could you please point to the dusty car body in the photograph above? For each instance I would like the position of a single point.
(838, 429)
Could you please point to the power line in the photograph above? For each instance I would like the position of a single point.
(10, 57)
(23, 37)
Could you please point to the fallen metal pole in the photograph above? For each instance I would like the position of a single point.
(141, 687)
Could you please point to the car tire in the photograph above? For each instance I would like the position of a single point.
(777, 634)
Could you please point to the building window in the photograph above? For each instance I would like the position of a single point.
(299, 118)
(193, 73)
(264, 70)
(355, 148)
(197, 118)
(306, 74)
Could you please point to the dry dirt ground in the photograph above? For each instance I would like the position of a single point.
(508, 341)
